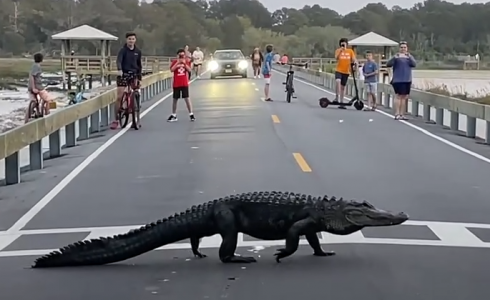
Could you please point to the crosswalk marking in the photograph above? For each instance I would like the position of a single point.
(450, 235)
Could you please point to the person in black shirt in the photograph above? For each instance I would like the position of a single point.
(128, 61)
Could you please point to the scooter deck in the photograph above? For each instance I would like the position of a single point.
(350, 103)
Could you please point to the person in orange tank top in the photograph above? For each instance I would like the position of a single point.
(345, 58)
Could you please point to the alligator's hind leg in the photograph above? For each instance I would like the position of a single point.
(225, 221)
(195, 247)
(314, 242)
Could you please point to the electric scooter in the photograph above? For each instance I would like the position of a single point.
(355, 101)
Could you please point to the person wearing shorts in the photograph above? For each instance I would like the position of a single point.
(257, 60)
(402, 64)
(345, 59)
(370, 71)
(198, 58)
(180, 67)
(35, 86)
(128, 66)
(267, 71)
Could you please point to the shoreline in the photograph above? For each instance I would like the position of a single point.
(14, 103)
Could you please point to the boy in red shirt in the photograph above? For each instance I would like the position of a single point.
(181, 67)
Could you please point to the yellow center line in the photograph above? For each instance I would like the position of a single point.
(302, 162)
(275, 119)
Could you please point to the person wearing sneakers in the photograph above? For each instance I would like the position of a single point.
(128, 61)
(267, 71)
(371, 73)
(181, 66)
(402, 64)
(345, 59)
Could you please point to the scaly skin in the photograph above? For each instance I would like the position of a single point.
(263, 215)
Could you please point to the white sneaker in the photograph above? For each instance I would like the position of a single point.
(255, 77)
(259, 76)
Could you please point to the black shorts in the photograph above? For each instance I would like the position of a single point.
(343, 78)
(181, 92)
(197, 64)
(402, 88)
(122, 81)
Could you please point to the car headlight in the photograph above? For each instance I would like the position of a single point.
(213, 66)
(243, 64)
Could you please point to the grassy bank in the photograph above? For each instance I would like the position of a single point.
(17, 68)
(482, 97)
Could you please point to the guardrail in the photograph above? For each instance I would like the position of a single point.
(458, 115)
(79, 122)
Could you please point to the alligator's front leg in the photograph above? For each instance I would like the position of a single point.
(314, 242)
(225, 221)
(195, 247)
(292, 239)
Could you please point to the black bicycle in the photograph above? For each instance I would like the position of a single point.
(289, 81)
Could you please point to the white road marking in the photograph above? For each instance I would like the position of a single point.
(28, 216)
(450, 235)
(257, 89)
(436, 137)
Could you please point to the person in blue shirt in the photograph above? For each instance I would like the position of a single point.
(402, 64)
(370, 71)
(267, 70)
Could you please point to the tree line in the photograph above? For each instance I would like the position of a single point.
(433, 28)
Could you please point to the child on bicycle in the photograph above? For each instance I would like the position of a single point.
(36, 87)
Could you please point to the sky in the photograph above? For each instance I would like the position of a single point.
(343, 7)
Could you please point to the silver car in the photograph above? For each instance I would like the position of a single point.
(228, 63)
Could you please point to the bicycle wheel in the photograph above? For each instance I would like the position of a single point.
(132, 110)
(289, 94)
(124, 111)
(289, 89)
(32, 110)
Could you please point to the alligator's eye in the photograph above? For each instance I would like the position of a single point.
(367, 204)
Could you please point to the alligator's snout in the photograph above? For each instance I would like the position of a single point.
(399, 218)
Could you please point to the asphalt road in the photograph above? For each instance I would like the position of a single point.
(240, 143)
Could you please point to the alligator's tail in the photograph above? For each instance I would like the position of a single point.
(124, 246)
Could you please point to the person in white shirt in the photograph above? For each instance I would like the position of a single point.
(198, 57)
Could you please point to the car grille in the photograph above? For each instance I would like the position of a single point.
(229, 65)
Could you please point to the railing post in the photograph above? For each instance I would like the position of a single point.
(12, 169)
(54, 144)
(112, 116)
(95, 122)
(440, 116)
(415, 108)
(70, 135)
(487, 133)
(83, 132)
(426, 112)
(104, 114)
(455, 121)
(36, 158)
(470, 127)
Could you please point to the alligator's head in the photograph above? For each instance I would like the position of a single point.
(345, 217)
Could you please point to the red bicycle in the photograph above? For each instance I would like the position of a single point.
(130, 103)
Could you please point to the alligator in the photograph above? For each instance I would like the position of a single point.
(262, 215)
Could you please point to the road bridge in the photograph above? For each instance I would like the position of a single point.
(240, 143)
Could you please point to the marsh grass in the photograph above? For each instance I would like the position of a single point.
(481, 96)
(18, 68)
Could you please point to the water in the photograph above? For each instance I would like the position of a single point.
(14, 103)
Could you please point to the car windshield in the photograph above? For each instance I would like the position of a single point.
(228, 55)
